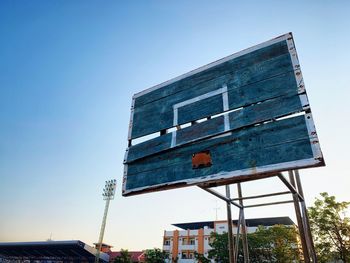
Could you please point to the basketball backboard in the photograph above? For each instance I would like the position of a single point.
(243, 117)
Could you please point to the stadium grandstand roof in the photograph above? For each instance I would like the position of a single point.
(71, 250)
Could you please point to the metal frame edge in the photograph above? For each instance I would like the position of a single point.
(220, 178)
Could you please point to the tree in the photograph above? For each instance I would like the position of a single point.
(331, 228)
(155, 255)
(259, 246)
(201, 258)
(284, 243)
(278, 243)
(124, 257)
(219, 244)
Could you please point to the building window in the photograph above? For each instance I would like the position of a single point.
(166, 242)
(192, 241)
(184, 255)
(191, 255)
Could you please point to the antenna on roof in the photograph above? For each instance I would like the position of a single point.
(216, 208)
(50, 238)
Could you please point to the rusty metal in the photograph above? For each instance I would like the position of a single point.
(232, 257)
(259, 196)
(201, 160)
(270, 203)
(290, 186)
(300, 221)
(306, 222)
(239, 223)
(213, 192)
(300, 211)
(244, 226)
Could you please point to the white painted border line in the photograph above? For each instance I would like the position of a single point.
(200, 97)
(315, 144)
(225, 107)
(204, 96)
(125, 177)
(131, 118)
(173, 139)
(215, 63)
(222, 176)
(304, 101)
(126, 155)
(296, 65)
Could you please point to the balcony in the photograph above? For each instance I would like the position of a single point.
(167, 247)
(168, 233)
(187, 247)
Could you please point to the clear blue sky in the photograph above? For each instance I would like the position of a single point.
(68, 70)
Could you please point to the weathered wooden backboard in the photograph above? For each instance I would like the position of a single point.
(243, 117)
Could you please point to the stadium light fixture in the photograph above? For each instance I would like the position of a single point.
(108, 195)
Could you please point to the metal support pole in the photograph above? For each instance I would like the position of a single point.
(306, 218)
(302, 217)
(271, 203)
(229, 223)
(108, 195)
(260, 196)
(213, 192)
(300, 221)
(244, 227)
(290, 186)
(102, 231)
(239, 222)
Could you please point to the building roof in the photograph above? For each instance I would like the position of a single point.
(254, 222)
(50, 250)
(103, 244)
(135, 255)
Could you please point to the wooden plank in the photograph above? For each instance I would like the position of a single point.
(240, 96)
(257, 113)
(272, 143)
(237, 63)
(249, 139)
(160, 111)
(180, 173)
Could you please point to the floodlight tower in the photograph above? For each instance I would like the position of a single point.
(108, 195)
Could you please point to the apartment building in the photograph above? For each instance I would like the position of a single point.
(195, 237)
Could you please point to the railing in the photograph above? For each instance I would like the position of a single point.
(187, 247)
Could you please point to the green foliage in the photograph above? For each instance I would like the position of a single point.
(331, 228)
(219, 244)
(284, 242)
(201, 258)
(124, 257)
(259, 245)
(278, 243)
(275, 244)
(155, 255)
